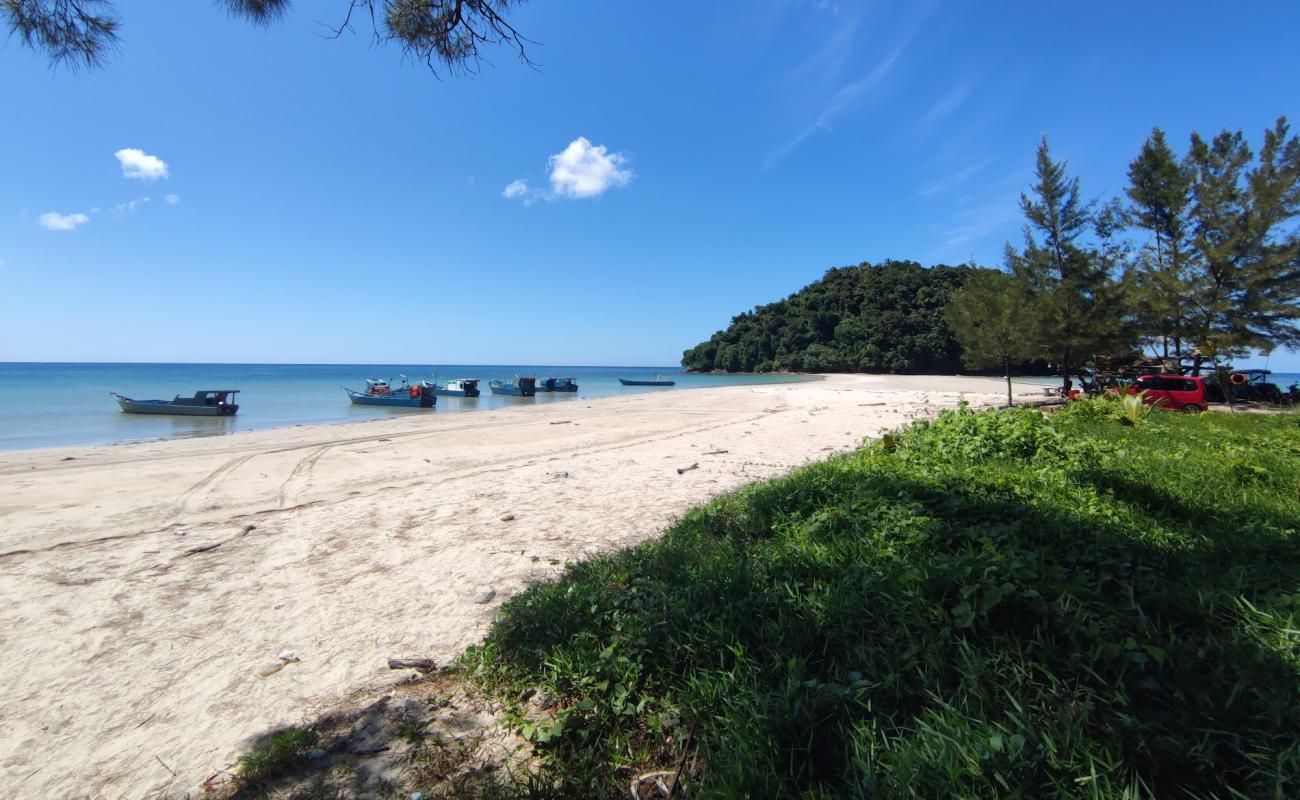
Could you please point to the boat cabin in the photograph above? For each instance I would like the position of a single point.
(208, 397)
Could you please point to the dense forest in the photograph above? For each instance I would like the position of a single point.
(869, 318)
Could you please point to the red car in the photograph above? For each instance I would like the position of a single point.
(1177, 392)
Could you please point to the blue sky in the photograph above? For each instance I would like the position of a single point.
(680, 163)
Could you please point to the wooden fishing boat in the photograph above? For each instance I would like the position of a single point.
(418, 396)
(520, 387)
(207, 403)
(565, 385)
(461, 387)
(658, 381)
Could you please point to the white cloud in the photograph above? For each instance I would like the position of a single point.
(584, 170)
(172, 199)
(54, 221)
(580, 170)
(136, 163)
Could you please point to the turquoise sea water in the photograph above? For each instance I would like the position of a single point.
(48, 405)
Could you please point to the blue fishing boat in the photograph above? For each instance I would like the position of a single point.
(418, 396)
(461, 387)
(545, 384)
(207, 403)
(565, 385)
(658, 381)
(520, 387)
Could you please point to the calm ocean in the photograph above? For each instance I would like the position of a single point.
(48, 405)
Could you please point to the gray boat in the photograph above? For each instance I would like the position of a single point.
(208, 403)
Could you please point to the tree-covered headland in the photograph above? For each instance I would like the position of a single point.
(869, 318)
(1199, 259)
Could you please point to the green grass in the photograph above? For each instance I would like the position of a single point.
(988, 605)
(276, 755)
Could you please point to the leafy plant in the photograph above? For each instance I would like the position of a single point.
(1136, 409)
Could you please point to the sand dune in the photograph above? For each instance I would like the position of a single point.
(144, 588)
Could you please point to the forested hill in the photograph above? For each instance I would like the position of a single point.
(869, 318)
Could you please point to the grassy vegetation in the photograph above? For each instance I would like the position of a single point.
(278, 754)
(988, 605)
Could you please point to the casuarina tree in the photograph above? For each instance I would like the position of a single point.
(1078, 302)
(994, 321)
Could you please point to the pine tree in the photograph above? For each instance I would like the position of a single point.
(992, 317)
(1160, 191)
(1245, 284)
(1079, 308)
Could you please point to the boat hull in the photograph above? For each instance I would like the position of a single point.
(456, 393)
(392, 401)
(168, 408)
(627, 382)
(521, 387)
(512, 391)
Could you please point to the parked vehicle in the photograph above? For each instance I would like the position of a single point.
(208, 403)
(1174, 392)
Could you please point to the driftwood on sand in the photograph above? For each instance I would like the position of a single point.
(422, 664)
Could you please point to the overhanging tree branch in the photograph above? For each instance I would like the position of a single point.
(444, 35)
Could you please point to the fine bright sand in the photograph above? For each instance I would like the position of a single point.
(147, 589)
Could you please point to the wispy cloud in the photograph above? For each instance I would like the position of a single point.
(846, 98)
(579, 171)
(992, 210)
(54, 221)
(946, 104)
(827, 61)
(516, 188)
(974, 224)
(954, 179)
(138, 164)
(172, 199)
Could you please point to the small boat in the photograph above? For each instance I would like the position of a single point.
(565, 385)
(545, 384)
(461, 387)
(207, 403)
(521, 387)
(658, 381)
(418, 396)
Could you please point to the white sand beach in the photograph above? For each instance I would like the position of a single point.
(145, 588)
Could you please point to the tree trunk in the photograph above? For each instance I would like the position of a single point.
(1006, 366)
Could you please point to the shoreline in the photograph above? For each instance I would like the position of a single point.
(142, 617)
(392, 414)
